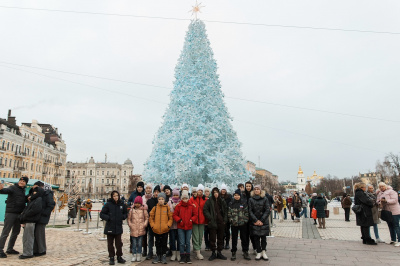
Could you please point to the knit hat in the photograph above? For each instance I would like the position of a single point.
(25, 178)
(257, 186)
(162, 195)
(167, 187)
(175, 192)
(207, 189)
(140, 184)
(314, 194)
(194, 189)
(185, 194)
(138, 199)
(149, 185)
(238, 191)
(223, 186)
(157, 188)
(184, 185)
(200, 187)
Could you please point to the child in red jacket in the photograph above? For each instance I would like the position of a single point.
(184, 215)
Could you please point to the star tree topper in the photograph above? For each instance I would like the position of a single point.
(196, 9)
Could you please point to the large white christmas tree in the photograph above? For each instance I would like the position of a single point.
(196, 142)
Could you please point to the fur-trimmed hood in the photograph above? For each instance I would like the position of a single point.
(262, 195)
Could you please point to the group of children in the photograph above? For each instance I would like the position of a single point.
(161, 213)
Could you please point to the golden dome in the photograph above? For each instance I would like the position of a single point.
(300, 171)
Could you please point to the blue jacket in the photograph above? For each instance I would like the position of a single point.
(133, 196)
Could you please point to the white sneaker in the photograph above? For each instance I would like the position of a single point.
(138, 257)
(178, 256)
(173, 255)
(264, 255)
(378, 240)
(397, 244)
(258, 257)
(254, 252)
(133, 258)
(198, 255)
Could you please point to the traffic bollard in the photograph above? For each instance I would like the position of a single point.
(79, 221)
(98, 219)
(104, 236)
(87, 223)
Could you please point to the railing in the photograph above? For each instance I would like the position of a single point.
(112, 176)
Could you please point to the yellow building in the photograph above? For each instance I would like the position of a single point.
(314, 179)
(33, 150)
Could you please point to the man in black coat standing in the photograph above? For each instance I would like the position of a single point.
(16, 202)
(48, 203)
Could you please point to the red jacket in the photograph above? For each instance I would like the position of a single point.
(198, 204)
(184, 215)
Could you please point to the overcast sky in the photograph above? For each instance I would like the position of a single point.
(337, 71)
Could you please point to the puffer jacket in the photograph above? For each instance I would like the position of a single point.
(209, 211)
(137, 221)
(16, 200)
(259, 210)
(238, 212)
(365, 217)
(319, 205)
(346, 202)
(146, 197)
(161, 219)
(184, 215)
(172, 206)
(33, 210)
(48, 204)
(114, 213)
(198, 203)
(391, 197)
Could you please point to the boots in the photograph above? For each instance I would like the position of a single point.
(227, 245)
(178, 255)
(149, 255)
(164, 259)
(213, 256)
(188, 259)
(246, 255)
(370, 241)
(173, 255)
(220, 256)
(198, 255)
(139, 257)
(233, 256)
(112, 262)
(144, 252)
(120, 260)
(264, 255)
(156, 259)
(258, 257)
(183, 258)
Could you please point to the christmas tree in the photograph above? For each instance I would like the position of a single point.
(196, 142)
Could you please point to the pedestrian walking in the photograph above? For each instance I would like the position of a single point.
(279, 207)
(375, 215)
(72, 210)
(151, 203)
(284, 208)
(259, 212)
(304, 204)
(161, 222)
(319, 204)
(173, 233)
(238, 216)
(346, 204)
(88, 206)
(198, 202)
(216, 212)
(184, 215)
(114, 212)
(387, 199)
(297, 206)
(15, 204)
(138, 219)
(314, 197)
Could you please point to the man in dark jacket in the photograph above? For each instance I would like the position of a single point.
(216, 212)
(48, 203)
(138, 192)
(16, 202)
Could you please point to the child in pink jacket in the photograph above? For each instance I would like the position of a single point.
(138, 218)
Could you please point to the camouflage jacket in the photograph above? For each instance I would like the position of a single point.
(238, 212)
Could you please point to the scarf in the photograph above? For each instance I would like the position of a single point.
(175, 200)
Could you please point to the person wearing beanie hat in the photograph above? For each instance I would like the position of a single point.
(148, 188)
(168, 192)
(138, 192)
(216, 212)
(16, 202)
(161, 222)
(259, 210)
(150, 205)
(198, 202)
(227, 198)
(238, 216)
(184, 215)
(138, 219)
(194, 191)
(246, 195)
(173, 233)
(184, 186)
(207, 192)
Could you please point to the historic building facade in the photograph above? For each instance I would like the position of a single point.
(34, 150)
(98, 179)
(301, 181)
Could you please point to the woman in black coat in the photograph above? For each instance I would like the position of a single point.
(319, 205)
(259, 210)
(364, 218)
(114, 212)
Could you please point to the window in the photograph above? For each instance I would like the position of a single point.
(124, 180)
(97, 189)
(91, 173)
(83, 173)
(117, 181)
(124, 172)
(10, 162)
(97, 172)
(108, 181)
(102, 181)
(31, 166)
(12, 147)
(8, 148)
(124, 188)
(102, 172)
(5, 162)
(108, 172)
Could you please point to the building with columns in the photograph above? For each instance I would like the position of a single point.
(34, 150)
(98, 179)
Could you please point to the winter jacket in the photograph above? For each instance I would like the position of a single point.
(319, 205)
(48, 204)
(391, 197)
(114, 213)
(172, 206)
(238, 212)
(284, 203)
(138, 220)
(346, 202)
(133, 196)
(72, 207)
(209, 212)
(304, 202)
(297, 202)
(151, 203)
(312, 202)
(279, 204)
(375, 214)
(198, 203)
(16, 200)
(33, 210)
(184, 215)
(227, 198)
(161, 219)
(146, 197)
(259, 211)
(365, 217)
(89, 205)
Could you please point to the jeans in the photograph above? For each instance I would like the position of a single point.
(243, 237)
(11, 222)
(173, 239)
(275, 212)
(376, 232)
(137, 245)
(304, 211)
(394, 228)
(184, 241)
